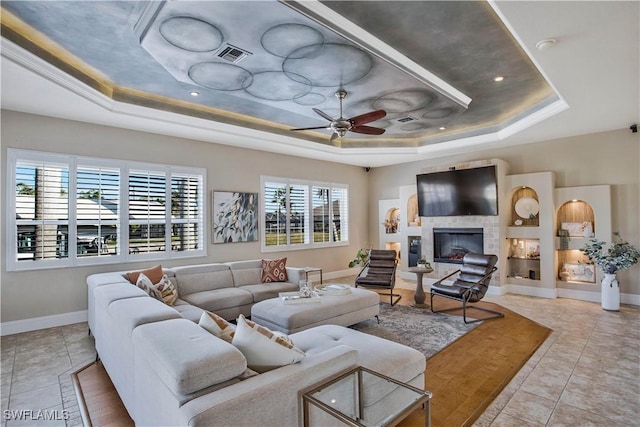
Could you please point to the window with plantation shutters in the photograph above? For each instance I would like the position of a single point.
(340, 214)
(187, 218)
(321, 217)
(41, 210)
(97, 210)
(301, 214)
(147, 211)
(298, 214)
(70, 210)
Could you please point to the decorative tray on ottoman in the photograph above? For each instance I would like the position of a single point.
(333, 289)
(296, 298)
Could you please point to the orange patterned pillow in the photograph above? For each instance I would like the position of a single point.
(274, 270)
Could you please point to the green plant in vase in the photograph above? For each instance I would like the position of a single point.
(362, 256)
(619, 255)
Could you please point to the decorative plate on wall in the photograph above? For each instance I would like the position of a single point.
(527, 207)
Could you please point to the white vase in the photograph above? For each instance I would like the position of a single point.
(610, 293)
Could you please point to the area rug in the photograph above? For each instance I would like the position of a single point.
(417, 328)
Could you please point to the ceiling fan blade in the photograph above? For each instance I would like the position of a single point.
(371, 116)
(368, 130)
(323, 114)
(316, 127)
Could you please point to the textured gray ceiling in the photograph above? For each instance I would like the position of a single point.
(294, 64)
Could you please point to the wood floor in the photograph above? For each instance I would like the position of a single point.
(464, 377)
(102, 405)
(468, 374)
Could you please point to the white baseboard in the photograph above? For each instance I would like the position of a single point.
(35, 323)
(632, 299)
(581, 295)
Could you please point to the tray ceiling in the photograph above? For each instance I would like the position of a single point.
(264, 65)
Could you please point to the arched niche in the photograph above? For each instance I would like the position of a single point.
(524, 207)
(392, 221)
(577, 217)
(413, 218)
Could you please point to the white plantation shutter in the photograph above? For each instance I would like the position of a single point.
(275, 211)
(41, 201)
(321, 214)
(97, 211)
(301, 214)
(298, 214)
(340, 214)
(186, 212)
(147, 211)
(70, 210)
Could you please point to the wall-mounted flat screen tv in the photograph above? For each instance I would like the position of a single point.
(458, 192)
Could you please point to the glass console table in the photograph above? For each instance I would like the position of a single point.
(344, 397)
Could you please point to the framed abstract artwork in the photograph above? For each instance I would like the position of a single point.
(235, 217)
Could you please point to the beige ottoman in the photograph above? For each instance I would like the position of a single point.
(343, 310)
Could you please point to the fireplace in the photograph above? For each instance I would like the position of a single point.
(452, 244)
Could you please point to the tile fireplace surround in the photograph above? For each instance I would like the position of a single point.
(488, 224)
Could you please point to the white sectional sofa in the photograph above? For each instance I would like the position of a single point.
(170, 371)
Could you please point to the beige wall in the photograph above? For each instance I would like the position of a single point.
(605, 158)
(40, 293)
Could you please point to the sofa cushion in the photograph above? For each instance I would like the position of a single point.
(219, 299)
(130, 313)
(263, 349)
(153, 273)
(198, 278)
(209, 360)
(263, 291)
(188, 311)
(217, 326)
(274, 270)
(246, 272)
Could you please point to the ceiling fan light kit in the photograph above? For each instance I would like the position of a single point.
(340, 126)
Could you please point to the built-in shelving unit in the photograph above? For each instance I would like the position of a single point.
(529, 245)
(582, 212)
(391, 229)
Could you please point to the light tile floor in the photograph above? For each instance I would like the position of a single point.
(586, 373)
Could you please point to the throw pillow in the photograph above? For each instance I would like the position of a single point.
(164, 290)
(263, 349)
(153, 273)
(274, 270)
(146, 285)
(217, 326)
(167, 290)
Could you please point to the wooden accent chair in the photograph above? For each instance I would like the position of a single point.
(470, 286)
(380, 272)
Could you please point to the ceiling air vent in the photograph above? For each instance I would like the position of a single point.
(233, 54)
(405, 119)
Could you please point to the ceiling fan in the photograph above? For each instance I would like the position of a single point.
(341, 126)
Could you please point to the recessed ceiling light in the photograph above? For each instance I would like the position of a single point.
(545, 44)
(574, 200)
(498, 78)
(442, 128)
(194, 93)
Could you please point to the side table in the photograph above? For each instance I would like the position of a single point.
(308, 270)
(419, 295)
(399, 404)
